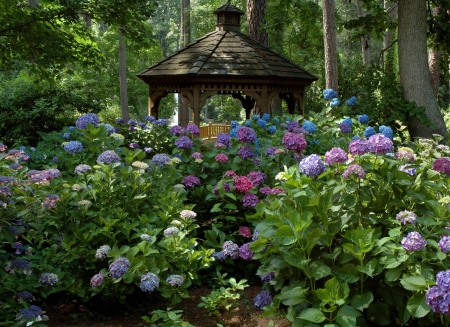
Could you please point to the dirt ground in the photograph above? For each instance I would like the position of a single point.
(64, 312)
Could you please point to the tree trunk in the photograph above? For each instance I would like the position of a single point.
(330, 42)
(185, 39)
(365, 39)
(87, 19)
(433, 61)
(256, 10)
(389, 35)
(123, 76)
(413, 63)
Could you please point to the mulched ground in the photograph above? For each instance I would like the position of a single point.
(66, 312)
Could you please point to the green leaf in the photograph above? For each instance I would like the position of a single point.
(362, 301)
(346, 316)
(285, 235)
(417, 305)
(231, 196)
(216, 207)
(379, 313)
(348, 273)
(414, 283)
(293, 296)
(319, 270)
(393, 274)
(313, 315)
(312, 238)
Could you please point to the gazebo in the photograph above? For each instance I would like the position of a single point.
(227, 62)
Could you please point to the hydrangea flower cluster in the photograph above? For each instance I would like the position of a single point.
(262, 299)
(442, 165)
(25, 295)
(294, 127)
(171, 231)
(250, 200)
(86, 119)
(363, 119)
(191, 181)
(267, 278)
(245, 253)
(272, 129)
(437, 296)
(48, 279)
(351, 102)
(187, 214)
(329, 94)
(245, 152)
(444, 244)
(222, 158)
(50, 201)
(246, 135)
(335, 155)
(160, 159)
(262, 123)
(30, 313)
(266, 117)
(405, 154)
(102, 251)
(108, 157)
(358, 147)
(386, 131)
(146, 237)
(148, 150)
(160, 122)
(218, 256)
(134, 145)
(257, 177)
(354, 170)
(193, 129)
(230, 249)
(405, 169)
(245, 231)
(369, 131)
(119, 267)
(184, 142)
(242, 184)
(380, 144)
(140, 165)
(226, 186)
(310, 127)
(97, 280)
(225, 139)
(413, 241)
(175, 280)
(177, 130)
(197, 155)
(406, 217)
(345, 127)
(312, 166)
(5, 191)
(268, 190)
(73, 147)
(335, 102)
(149, 282)
(295, 142)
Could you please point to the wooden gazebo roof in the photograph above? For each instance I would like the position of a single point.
(227, 61)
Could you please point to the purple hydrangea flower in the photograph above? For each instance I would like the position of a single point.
(224, 138)
(25, 295)
(406, 217)
(442, 165)
(444, 244)
(245, 253)
(246, 135)
(257, 177)
(255, 235)
(358, 147)
(193, 129)
(97, 280)
(191, 181)
(294, 142)
(149, 118)
(175, 280)
(443, 280)
(50, 201)
(262, 299)
(184, 142)
(108, 157)
(267, 278)
(245, 152)
(177, 130)
(149, 282)
(245, 231)
(250, 200)
(73, 147)
(148, 150)
(405, 169)
(134, 145)
(86, 119)
(102, 251)
(48, 279)
(5, 191)
(20, 264)
(51, 173)
(160, 159)
(354, 170)
(294, 127)
(119, 267)
(30, 313)
(345, 127)
(335, 155)
(161, 122)
(414, 241)
(312, 166)
(81, 169)
(230, 249)
(380, 144)
(271, 151)
(222, 158)
(197, 155)
(226, 186)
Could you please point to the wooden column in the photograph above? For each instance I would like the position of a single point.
(154, 97)
(196, 105)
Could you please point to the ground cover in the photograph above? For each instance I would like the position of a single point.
(335, 220)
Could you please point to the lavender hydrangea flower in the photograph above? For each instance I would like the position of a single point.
(409, 171)
(224, 138)
(19, 264)
(246, 135)
(257, 177)
(413, 241)
(255, 236)
(191, 181)
(97, 280)
(108, 157)
(5, 191)
(358, 147)
(193, 129)
(335, 155)
(175, 280)
(86, 119)
(444, 244)
(184, 142)
(312, 166)
(271, 151)
(329, 94)
(177, 130)
(149, 282)
(406, 217)
(81, 169)
(354, 170)
(218, 256)
(119, 267)
(250, 200)
(294, 127)
(160, 159)
(48, 279)
(267, 278)
(51, 173)
(148, 150)
(171, 231)
(245, 253)
(295, 142)
(102, 251)
(442, 165)
(134, 145)
(380, 144)
(230, 249)
(345, 127)
(262, 299)
(73, 147)
(245, 152)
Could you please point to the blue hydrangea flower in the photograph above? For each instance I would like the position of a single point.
(351, 102)
(233, 132)
(86, 119)
(309, 126)
(266, 117)
(262, 123)
(149, 282)
(119, 267)
(335, 102)
(108, 157)
(329, 94)
(256, 117)
(230, 249)
(67, 136)
(234, 124)
(272, 129)
(73, 146)
(276, 120)
(369, 131)
(363, 119)
(387, 131)
(348, 121)
(149, 118)
(162, 122)
(160, 159)
(355, 137)
(248, 123)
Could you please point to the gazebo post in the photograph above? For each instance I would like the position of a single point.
(196, 105)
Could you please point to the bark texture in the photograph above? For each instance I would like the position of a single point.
(365, 47)
(433, 61)
(185, 38)
(256, 10)
(330, 42)
(413, 65)
(123, 76)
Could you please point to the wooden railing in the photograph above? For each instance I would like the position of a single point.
(211, 131)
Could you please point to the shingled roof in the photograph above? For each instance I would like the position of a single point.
(226, 52)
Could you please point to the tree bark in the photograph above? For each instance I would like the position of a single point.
(365, 39)
(413, 64)
(123, 76)
(330, 42)
(256, 10)
(433, 61)
(185, 38)
(388, 59)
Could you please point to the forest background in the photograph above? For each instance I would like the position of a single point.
(62, 58)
